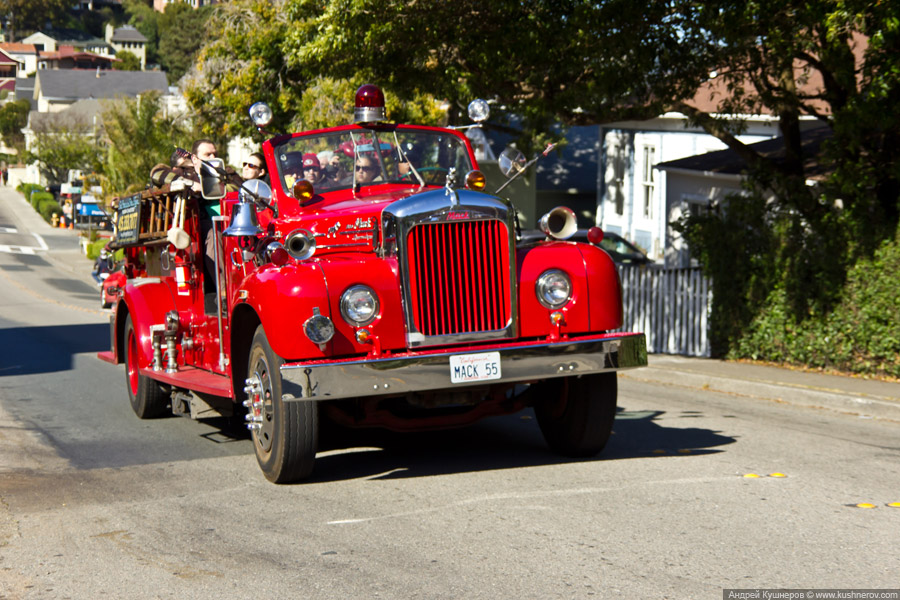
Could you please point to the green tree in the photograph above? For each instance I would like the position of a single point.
(129, 61)
(26, 15)
(63, 144)
(139, 134)
(181, 35)
(13, 118)
(146, 20)
(245, 62)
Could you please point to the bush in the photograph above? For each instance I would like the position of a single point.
(26, 188)
(48, 208)
(38, 197)
(860, 335)
(93, 250)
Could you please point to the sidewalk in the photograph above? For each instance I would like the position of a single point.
(866, 397)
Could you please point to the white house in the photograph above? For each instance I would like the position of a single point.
(25, 54)
(696, 183)
(631, 195)
(130, 39)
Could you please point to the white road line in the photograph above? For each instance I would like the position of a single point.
(41, 241)
(18, 249)
(9, 230)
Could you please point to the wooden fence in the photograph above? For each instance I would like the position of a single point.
(671, 307)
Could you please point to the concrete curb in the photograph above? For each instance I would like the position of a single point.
(797, 394)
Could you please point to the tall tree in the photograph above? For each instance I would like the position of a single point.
(24, 15)
(245, 62)
(13, 118)
(61, 145)
(139, 134)
(181, 34)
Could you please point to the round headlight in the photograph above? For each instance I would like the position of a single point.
(553, 288)
(479, 110)
(359, 305)
(260, 114)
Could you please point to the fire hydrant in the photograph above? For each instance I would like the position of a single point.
(54, 220)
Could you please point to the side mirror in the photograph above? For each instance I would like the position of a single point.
(511, 162)
(211, 182)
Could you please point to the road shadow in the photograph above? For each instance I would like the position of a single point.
(49, 349)
(507, 442)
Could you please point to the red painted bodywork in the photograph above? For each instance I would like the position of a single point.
(282, 298)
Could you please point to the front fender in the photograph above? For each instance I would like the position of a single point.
(147, 301)
(284, 298)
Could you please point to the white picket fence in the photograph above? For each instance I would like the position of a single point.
(671, 307)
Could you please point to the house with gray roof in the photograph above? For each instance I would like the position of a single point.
(129, 39)
(695, 184)
(55, 90)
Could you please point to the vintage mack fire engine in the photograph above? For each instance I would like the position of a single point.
(374, 283)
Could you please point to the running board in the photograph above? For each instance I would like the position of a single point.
(193, 379)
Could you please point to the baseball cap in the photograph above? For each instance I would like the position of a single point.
(311, 160)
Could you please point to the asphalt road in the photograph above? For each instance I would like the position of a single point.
(96, 503)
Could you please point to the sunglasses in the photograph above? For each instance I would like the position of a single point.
(252, 166)
(364, 168)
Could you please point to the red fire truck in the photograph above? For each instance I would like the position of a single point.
(375, 282)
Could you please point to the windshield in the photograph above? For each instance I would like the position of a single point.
(339, 160)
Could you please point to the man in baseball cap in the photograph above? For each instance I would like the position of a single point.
(312, 169)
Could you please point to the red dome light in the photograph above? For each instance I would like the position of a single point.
(369, 104)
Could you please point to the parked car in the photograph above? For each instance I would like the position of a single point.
(619, 249)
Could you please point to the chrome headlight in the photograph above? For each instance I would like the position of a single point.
(553, 288)
(260, 114)
(318, 328)
(359, 305)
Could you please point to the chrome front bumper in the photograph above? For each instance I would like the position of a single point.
(424, 371)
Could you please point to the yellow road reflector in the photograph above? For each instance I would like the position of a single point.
(865, 505)
(777, 475)
(751, 476)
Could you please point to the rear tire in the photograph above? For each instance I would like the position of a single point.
(288, 435)
(576, 414)
(147, 397)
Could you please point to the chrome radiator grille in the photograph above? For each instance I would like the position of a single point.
(459, 277)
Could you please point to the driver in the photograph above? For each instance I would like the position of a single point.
(411, 155)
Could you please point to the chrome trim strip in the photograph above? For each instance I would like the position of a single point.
(431, 371)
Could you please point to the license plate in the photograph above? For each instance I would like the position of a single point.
(466, 368)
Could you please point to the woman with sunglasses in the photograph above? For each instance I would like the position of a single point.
(255, 168)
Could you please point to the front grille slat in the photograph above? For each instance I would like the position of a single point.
(459, 277)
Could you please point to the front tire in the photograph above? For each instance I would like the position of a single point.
(285, 434)
(147, 397)
(576, 414)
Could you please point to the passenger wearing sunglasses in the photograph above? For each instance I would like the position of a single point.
(366, 170)
(255, 168)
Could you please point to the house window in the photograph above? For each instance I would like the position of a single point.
(648, 180)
